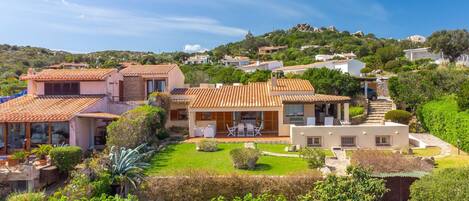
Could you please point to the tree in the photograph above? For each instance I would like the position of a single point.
(446, 184)
(359, 185)
(333, 82)
(452, 43)
(256, 76)
(372, 62)
(463, 96)
(388, 53)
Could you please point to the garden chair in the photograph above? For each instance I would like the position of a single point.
(311, 121)
(328, 121)
(241, 132)
(231, 130)
(257, 130)
(250, 130)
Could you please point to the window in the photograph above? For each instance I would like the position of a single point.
(62, 88)
(16, 136)
(60, 133)
(39, 134)
(294, 110)
(383, 140)
(155, 86)
(206, 116)
(314, 141)
(348, 141)
(179, 114)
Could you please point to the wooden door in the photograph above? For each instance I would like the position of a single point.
(121, 90)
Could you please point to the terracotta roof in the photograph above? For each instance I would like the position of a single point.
(292, 85)
(69, 74)
(99, 115)
(316, 98)
(147, 70)
(45, 108)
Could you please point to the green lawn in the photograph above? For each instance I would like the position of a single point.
(426, 152)
(182, 157)
(280, 148)
(452, 161)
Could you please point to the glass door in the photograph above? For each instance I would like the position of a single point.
(16, 137)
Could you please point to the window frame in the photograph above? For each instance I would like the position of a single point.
(313, 144)
(380, 143)
(348, 145)
(61, 88)
(294, 113)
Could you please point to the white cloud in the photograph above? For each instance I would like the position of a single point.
(191, 48)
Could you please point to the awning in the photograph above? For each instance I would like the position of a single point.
(99, 115)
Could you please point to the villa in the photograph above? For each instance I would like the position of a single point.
(271, 49)
(351, 66)
(261, 65)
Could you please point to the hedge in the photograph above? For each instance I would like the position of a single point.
(398, 116)
(65, 158)
(447, 184)
(442, 119)
(356, 111)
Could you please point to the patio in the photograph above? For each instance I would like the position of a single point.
(265, 138)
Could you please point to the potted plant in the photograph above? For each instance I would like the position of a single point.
(17, 157)
(41, 152)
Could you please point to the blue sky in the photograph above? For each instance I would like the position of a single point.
(168, 25)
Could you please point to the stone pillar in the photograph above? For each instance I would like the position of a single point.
(191, 123)
(346, 113)
(339, 111)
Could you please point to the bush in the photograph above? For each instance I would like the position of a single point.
(366, 70)
(442, 119)
(105, 197)
(316, 158)
(21, 156)
(42, 151)
(244, 158)
(250, 197)
(356, 111)
(135, 127)
(200, 185)
(398, 116)
(463, 97)
(207, 145)
(446, 184)
(66, 158)
(40, 196)
(387, 162)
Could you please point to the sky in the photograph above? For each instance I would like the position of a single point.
(193, 25)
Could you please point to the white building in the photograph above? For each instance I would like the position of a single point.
(351, 66)
(235, 61)
(264, 65)
(424, 53)
(323, 57)
(198, 59)
(327, 57)
(417, 38)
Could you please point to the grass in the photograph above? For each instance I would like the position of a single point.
(452, 161)
(426, 152)
(280, 148)
(180, 157)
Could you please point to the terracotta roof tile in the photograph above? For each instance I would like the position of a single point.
(69, 74)
(316, 98)
(45, 108)
(292, 85)
(147, 70)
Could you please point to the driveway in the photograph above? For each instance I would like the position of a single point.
(432, 140)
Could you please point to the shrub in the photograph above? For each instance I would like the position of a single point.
(359, 185)
(387, 162)
(446, 184)
(42, 151)
(442, 119)
(135, 127)
(250, 197)
(21, 156)
(366, 70)
(316, 158)
(356, 111)
(66, 158)
(463, 97)
(105, 197)
(200, 185)
(398, 116)
(207, 145)
(162, 134)
(244, 158)
(40, 196)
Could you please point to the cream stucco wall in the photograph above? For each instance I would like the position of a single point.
(175, 79)
(177, 123)
(365, 134)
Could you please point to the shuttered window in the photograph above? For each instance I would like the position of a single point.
(62, 88)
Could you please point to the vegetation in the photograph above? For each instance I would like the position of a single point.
(411, 89)
(359, 185)
(21, 156)
(316, 158)
(82, 185)
(388, 162)
(42, 151)
(244, 158)
(452, 43)
(327, 81)
(398, 116)
(180, 157)
(356, 111)
(29, 196)
(442, 119)
(452, 161)
(207, 145)
(135, 127)
(250, 197)
(463, 97)
(66, 157)
(447, 184)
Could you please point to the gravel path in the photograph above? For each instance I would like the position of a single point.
(340, 164)
(432, 140)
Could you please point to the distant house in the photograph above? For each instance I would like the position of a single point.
(304, 47)
(351, 66)
(198, 59)
(421, 53)
(271, 49)
(69, 66)
(327, 57)
(264, 65)
(417, 38)
(235, 61)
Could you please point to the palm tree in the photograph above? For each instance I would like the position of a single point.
(126, 167)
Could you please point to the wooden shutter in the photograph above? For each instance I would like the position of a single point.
(174, 115)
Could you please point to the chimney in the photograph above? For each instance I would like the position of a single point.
(274, 81)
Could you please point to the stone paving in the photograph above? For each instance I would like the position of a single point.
(340, 163)
(432, 140)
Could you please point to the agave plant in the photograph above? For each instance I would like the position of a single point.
(126, 166)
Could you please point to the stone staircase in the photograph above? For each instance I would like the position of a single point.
(376, 111)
